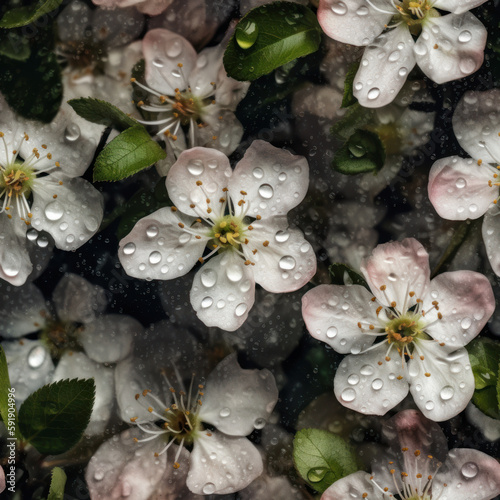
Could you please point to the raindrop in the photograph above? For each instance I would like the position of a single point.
(429, 405)
(467, 65)
(225, 412)
(195, 167)
(403, 72)
(373, 93)
(469, 470)
(158, 62)
(266, 191)
(152, 231)
(282, 236)
(362, 11)
(339, 8)
(394, 56)
(234, 273)
(287, 263)
(246, 33)
(446, 393)
(353, 379)
(461, 183)
(241, 309)
(99, 475)
(72, 132)
(208, 488)
(316, 475)
(348, 395)
(259, 423)
(129, 248)
(36, 356)
(465, 36)
(258, 173)
(331, 332)
(208, 278)
(174, 49)
(377, 384)
(466, 323)
(154, 257)
(282, 177)
(367, 370)
(54, 211)
(207, 302)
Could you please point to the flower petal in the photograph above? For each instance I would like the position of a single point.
(15, 263)
(451, 47)
(77, 300)
(204, 74)
(459, 190)
(238, 401)
(158, 248)
(355, 22)
(222, 464)
(370, 384)
(354, 485)
(163, 52)
(223, 292)
(284, 260)
(476, 125)
(275, 180)
(467, 474)
(109, 338)
(21, 310)
(491, 237)
(449, 388)
(399, 268)
(207, 166)
(71, 219)
(457, 6)
(384, 67)
(332, 313)
(466, 302)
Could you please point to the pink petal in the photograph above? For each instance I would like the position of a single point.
(491, 237)
(353, 485)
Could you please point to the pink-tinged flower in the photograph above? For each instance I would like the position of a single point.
(467, 188)
(418, 466)
(150, 7)
(190, 94)
(420, 327)
(241, 216)
(447, 48)
(212, 419)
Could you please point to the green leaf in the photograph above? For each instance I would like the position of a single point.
(14, 46)
(363, 152)
(348, 99)
(322, 458)
(54, 417)
(57, 484)
(102, 112)
(270, 36)
(342, 274)
(7, 396)
(21, 16)
(484, 355)
(132, 151)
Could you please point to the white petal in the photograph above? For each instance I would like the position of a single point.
(402, 267)
(476, 123)
(157, 248)
(221, 464)
(491, 237)
(467, 474)
(449, 388)
(30, 366)
(227, 131)
(466, 302)
(229, 92)
(275, 487)
(163, 52)
(78, 365)
(21, 310)
(440, 51)
(109, 338)
(77, 300)
(459, 190)
(15, 263)
(284, 260)
(223, 291)
(363, 384)
(457, 6)
(275, 180)
(355, 21)
(206, 70)
(237, 401)
(354, 485)
(71, 219)
(208, 166)
(384, 68)
(332, 314)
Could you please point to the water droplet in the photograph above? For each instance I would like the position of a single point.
(195, 167)
(241, 309)
(129, 248)
(174, 48)
(72, 132)
(466, 323)
(461, 183)
(246, 33)
(473, 208)
(207, 302)
(348, 395)
(446, 393)
(37, 356)
(465, 36)
(373, 93)
(208, 278)
(429, 405)
(469, 470)
(362, 11)
(98, 475)
(353, 379)
(420, 49)
(331, 332)
(259, 423)
(367, 370)
(316, 475)
(54, 211)
(394, 56)
(266, 191)
(184, 238)
(282, 236)
(234, 273)
(377, 384)
(467, 65)
(258, 173)
(208, 488)
(305, 247)
(225, 412)
(158, 62)
(403, 72)
(154, 257)
(339, 8)
(287, 263)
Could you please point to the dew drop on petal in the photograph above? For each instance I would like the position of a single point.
(466, 323)
(469, 470)
(287, 263)
(225, 412)
(339, 8)
(259, 423)
(36, 356)
(446, 393)
(208, 278)
(266, 191)
(154, 257)
(72, 132)
(195, 167)
(429, 405)
(98, 475)
(241, 309)
(234, 273)
(54, 211)
(461, 183)
(258, 173)
(465, 36)
(377, 384)
(353, 379)
(331, 332)
(362, 11)
(367, 370)
(373, 93)
(207, 302)
(174, 48)
(348, 395)
(129, 248)
(282, 236)
(208, 488)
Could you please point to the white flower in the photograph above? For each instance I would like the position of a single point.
(468, 188)
(424, 325)
(448, 47)
(240, 215)
(43, 162)
(150, 7)
(418, 467)
(191, 93)
(234, 401)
